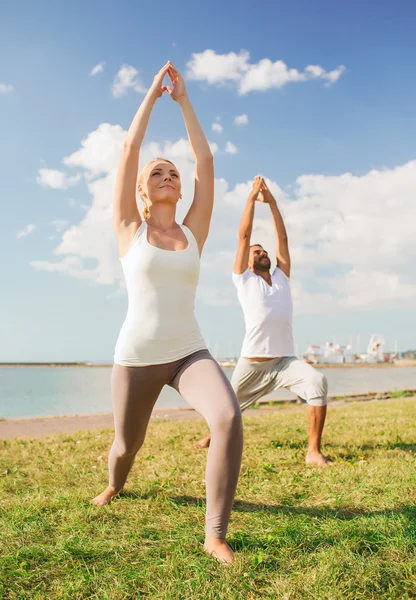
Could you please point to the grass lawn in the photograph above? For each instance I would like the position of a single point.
(346, 532)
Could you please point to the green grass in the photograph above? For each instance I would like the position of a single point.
(400, 394)
(347, 532)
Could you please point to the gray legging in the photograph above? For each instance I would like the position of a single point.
(200, 380)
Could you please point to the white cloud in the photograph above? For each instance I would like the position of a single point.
(236, 69)
(334, 75)
(230, 148)
(351, 237)
(267, 75)
(97, 69)
(26, 231)
(6, 88)
(100, 151)
(217, 68)
(127, 78)
(241, 120)
(70, 265)
(56, 180)
(217, 127)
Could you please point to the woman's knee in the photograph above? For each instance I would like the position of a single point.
(123, 449)
(228, 421)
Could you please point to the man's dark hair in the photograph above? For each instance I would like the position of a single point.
(252, 245)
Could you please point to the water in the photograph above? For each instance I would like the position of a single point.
(47, 391)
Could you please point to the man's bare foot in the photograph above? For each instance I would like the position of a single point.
(318, 459)
(105, 497)
(219, 549)
(204, 443)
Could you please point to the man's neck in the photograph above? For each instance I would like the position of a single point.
(264, 274)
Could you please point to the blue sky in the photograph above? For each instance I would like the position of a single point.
(340, 156)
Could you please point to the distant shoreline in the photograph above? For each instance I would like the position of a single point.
(86, 365)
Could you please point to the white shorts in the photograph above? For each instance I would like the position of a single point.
(252, 380)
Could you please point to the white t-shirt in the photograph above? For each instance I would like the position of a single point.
(267, 314)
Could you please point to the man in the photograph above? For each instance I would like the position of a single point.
(268, 359)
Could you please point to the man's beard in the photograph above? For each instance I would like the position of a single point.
(262, 264)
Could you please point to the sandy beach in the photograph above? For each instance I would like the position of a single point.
(40, 426)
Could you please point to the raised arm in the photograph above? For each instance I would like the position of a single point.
(126, 216)
(282, 247)
(244, 231)
(199, 214)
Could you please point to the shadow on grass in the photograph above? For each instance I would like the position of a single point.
(365, 542)
(343, 514)
(391, 446)
(137, 495)
(396, 445)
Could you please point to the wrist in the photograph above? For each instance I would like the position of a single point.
(182, 100)
(153, 94)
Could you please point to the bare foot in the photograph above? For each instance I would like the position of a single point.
(204, 443)
(219, 549)
(318, 459)
(105, 497)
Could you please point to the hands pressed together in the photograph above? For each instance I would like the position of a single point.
(260, 192)
(176, 90)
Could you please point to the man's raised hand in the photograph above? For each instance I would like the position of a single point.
(265, 194)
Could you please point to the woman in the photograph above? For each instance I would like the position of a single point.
(160, 342)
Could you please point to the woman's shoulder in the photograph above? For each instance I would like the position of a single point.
(132, 242)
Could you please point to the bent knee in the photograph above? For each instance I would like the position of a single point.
(123, 450)
(229, 422)
(318, 390)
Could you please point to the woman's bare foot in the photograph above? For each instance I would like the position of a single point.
(318, 459)
(204, 443)
(105, 497)
(219, 549)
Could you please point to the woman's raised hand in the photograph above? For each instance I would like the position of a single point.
(256, 189)
(157, 88)
(178, 89)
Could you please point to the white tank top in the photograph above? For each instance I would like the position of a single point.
(160, 326)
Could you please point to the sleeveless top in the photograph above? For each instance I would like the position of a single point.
(160, 326)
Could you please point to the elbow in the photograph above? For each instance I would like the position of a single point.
(244, 235)
(130, 147)
(206, 158)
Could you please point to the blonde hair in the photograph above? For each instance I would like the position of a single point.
(146, 209)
